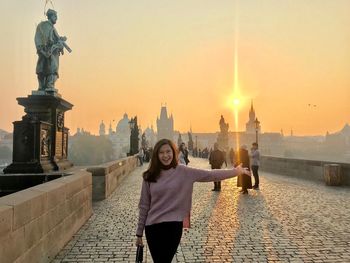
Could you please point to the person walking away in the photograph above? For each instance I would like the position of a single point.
(166, 198)
(216, 159)
(141, 155)
(243, 181)
(255, 157)
(186, 155)
(183, 154)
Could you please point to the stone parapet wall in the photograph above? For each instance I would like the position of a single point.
(37, 222)
(306, 169)
(106, 177)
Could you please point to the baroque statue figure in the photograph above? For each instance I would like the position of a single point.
(223, 125)
(49, 46)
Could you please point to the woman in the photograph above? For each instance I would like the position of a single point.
(244, 181)
(166, 199)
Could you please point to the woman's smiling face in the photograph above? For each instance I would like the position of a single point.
(165, 154)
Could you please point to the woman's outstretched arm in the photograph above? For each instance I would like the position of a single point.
(200, 175)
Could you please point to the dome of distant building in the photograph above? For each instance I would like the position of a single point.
(345, 130)
(123, 125)
(150, 136)
(121, 137)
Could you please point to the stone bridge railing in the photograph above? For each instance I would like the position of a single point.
(107, 177)
(36, 223)
(306, 169)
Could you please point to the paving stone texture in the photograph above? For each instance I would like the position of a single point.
(287, 220)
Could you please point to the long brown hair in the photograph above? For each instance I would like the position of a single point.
(153, 171)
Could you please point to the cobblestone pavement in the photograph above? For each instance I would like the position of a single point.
(287, 220)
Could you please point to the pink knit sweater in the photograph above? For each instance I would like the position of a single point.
(170, 198)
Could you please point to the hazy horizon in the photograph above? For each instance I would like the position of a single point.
(285, 133)
(286, 56)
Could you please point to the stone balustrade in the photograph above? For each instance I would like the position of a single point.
(106, 177)
(37, 222)
(306, 169)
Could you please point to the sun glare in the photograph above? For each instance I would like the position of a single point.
(236, 102)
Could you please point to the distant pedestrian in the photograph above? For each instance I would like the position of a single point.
(166, 198)
(205, 153)
(255, 157)
(183, 154)
(147, 155)
(232, 156)
(243, 158)
(216, 159)
(141, 155)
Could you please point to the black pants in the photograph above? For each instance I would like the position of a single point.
(163, 240)
(217, 185)
(255, 169)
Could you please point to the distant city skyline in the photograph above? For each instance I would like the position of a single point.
(286, 56)
(249, 127)
(289, 132)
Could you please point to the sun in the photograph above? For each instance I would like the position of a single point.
(236, 102)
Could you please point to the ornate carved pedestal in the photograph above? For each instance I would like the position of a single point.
(40, 140)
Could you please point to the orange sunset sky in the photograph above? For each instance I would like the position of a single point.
(132, 56)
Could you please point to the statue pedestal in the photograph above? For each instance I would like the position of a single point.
(40, 140)
(52, 92)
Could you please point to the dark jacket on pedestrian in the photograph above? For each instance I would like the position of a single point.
(242, 157)
(216, 159)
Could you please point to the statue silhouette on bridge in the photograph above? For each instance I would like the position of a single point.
(49, 46)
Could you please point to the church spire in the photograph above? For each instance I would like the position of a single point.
(252, 113)
(251, 106)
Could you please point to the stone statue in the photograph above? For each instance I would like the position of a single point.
(49, 46)
(222, 139)
(223, 126)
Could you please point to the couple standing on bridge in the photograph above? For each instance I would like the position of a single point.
(217, 158)
(166, 199)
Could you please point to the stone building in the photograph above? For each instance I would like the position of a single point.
(6, 144)
(165, 125)
(102, 130)
(120, 138)
(250, 125)
(151, 136)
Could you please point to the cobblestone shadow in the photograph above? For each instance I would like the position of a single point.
(288, 220)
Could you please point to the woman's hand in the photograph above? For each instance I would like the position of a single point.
(242, 170)
(139, 241)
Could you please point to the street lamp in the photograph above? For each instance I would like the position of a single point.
(257, 126)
